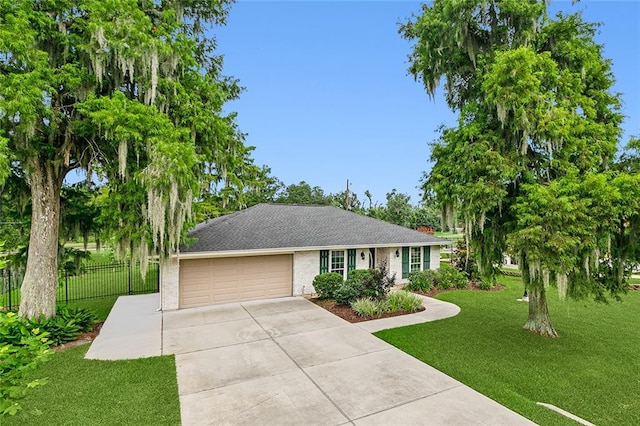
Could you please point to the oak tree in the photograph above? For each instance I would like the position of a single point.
(530, 165)
(130, 92)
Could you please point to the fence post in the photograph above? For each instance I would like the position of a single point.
(9, 281)
(130, 277)
(66, 287)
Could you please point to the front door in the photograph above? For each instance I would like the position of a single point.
(372, 258)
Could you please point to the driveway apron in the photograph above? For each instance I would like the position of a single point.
(289, 362)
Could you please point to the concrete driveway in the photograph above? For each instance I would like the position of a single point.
(287, 361)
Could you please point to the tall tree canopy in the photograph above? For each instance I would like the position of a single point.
(529, 167)
(303, 193)
(129, 91)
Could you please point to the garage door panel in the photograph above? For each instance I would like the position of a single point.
(220, 280)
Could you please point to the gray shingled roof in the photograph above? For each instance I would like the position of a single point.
(278, 226)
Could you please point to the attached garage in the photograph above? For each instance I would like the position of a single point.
(234, 279)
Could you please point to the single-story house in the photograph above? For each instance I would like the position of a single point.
(275, 250)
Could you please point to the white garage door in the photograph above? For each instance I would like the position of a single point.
(234, 279)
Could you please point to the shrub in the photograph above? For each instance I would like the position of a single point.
(450, 277)
(326, 284)
(380, 282)
(482, 285)
(403, 301)
(399, 301)
(423, 280)
(366, 307)
(360, 275)
(22, 348)
(362, 283)
(66, 325)
(375, 283)
(349, 291)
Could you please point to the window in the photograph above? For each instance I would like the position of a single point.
(415, 259)
(337, 262)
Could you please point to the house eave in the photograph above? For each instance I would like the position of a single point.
(291, 250)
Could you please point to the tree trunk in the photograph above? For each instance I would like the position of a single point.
(539, 321)
(38, 291)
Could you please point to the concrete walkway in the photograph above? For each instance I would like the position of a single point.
(132, 330)
(288, 361)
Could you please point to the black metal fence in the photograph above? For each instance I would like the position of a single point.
(92, 281)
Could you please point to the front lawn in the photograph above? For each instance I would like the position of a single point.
(592, 370)
(91, 392)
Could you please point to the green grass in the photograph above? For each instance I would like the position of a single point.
(592, 370)
(102, 256)
(89, 392)
(101, 307)
(453, 236)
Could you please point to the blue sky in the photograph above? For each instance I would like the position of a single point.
(328, 97)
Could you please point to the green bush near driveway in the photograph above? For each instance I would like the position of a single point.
(360, 283)
(327, 283)
(403, 301)
(397, 301)
(369, 308)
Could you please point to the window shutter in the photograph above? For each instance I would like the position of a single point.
(324, 261)
(351, 260)
(426, 258)
(405, 262)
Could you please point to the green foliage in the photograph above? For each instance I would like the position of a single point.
(22, 348)
(326, 284)
(423, 280)
(370, 308)
(397, 301)
(360, 275)
(71, 260)
(530, 166)
(349, 291)
(398, 209)
(463, 259)
(79, 214)
(403, 301)
(353, 204)
(303, 193)
(444, 278)
(381, 282)
(66, 325)
(451, 278)
(375, 283)
(482, 285)
(24, 345)
(132, 93)
(365, 283)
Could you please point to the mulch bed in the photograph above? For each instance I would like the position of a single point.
(346, 313)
